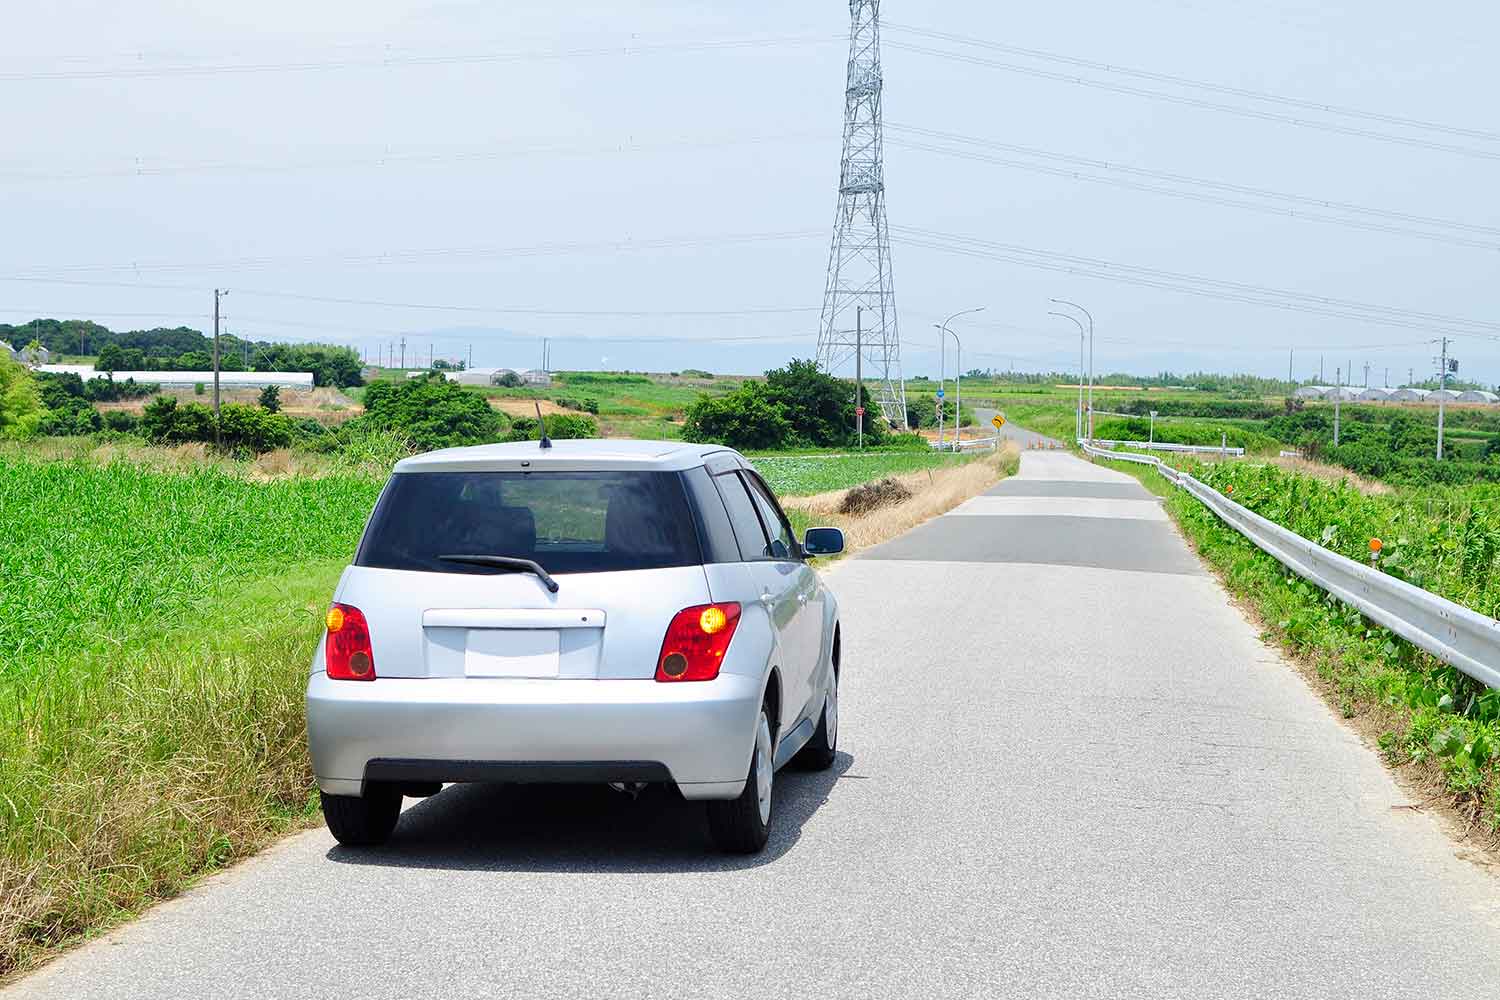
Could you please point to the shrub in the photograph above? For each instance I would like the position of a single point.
(797, 406)
(107, 390)
(924, 414)
(198, 388)
(121, 421)
(885, 492)
(747, 418)
(20, 401)
(509, 380)
(250, 428)
(562, 426)
(432, 412)
(270, 399)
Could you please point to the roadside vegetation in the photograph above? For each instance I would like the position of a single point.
(1427, 718)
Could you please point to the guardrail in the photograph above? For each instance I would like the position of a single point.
(1201, 449)
(968, 445)
(1451, 632)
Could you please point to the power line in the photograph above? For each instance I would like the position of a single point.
(1200, 182)
(1217, 88)
(390, 60)
(145, 167)
(1194, 102)
(1190, 284)
(542, 249)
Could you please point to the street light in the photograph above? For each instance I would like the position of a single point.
(1075, 305)
(958, 393)
(1078, 418)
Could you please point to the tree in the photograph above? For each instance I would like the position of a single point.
(20, 401)
(746, 418)
(509, 380)
(798, 405)
(432, 412)
(270, 399)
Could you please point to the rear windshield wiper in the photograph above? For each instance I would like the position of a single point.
(507, 562)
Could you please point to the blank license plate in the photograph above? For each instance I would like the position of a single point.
(511, 652)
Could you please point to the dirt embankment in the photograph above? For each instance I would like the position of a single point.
(932, 492)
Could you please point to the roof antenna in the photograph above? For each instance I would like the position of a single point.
(546, 442)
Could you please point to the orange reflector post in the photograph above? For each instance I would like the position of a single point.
(1376, 545)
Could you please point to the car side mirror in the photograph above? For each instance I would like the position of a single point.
(823, 541)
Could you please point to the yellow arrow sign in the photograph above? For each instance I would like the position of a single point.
(998, 421)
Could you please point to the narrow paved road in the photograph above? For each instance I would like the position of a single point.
(1013, 431)
(1071, 770)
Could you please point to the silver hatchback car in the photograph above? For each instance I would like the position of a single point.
(585, 611)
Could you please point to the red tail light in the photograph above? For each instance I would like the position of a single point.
(696, 640)
(347, 655)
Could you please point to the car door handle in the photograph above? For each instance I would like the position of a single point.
(766, 598)
(801, 598)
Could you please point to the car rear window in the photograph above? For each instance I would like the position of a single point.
(569, 522)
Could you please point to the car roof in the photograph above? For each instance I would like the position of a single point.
(572, 456)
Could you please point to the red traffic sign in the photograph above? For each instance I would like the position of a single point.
(859, 411)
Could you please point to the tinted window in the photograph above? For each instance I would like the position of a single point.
(570, 522)
(781, 546)
(742, 516)
(714, 531)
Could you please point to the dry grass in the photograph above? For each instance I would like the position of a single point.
(934, 492)
(1332, 474)
(324, 403)
(527, 407)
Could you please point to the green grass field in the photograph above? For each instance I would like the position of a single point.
(157, 629)
(803, 475)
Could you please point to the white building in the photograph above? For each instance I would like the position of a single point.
(1478, 396)
(1409, 395)
(1340, 392)
(180, 380)
(1447, 395)
(1312, 391)
(1375, 395)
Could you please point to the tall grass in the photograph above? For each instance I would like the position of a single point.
(155, 631)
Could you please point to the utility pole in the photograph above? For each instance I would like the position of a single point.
(218, 438)
(471, 357)
(859, 374)
(1338, 393)
(1320, 369)
(1387, 378)
(403, 352)
(942, 373)
(1442, 361)
(1289, 354)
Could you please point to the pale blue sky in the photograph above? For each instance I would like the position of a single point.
(272, 179)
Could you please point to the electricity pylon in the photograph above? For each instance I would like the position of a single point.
(859, 262)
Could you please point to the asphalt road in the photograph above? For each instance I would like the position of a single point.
(1013, 432)
(1069, 769)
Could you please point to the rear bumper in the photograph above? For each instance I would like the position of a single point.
(697, 735)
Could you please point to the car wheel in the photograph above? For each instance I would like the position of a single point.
(820, 751)
(743, 825)
(362, 820)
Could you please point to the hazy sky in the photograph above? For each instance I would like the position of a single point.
(674, 157)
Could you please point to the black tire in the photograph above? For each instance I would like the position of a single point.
(737, 825)
(362, 821)
(820, 751)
